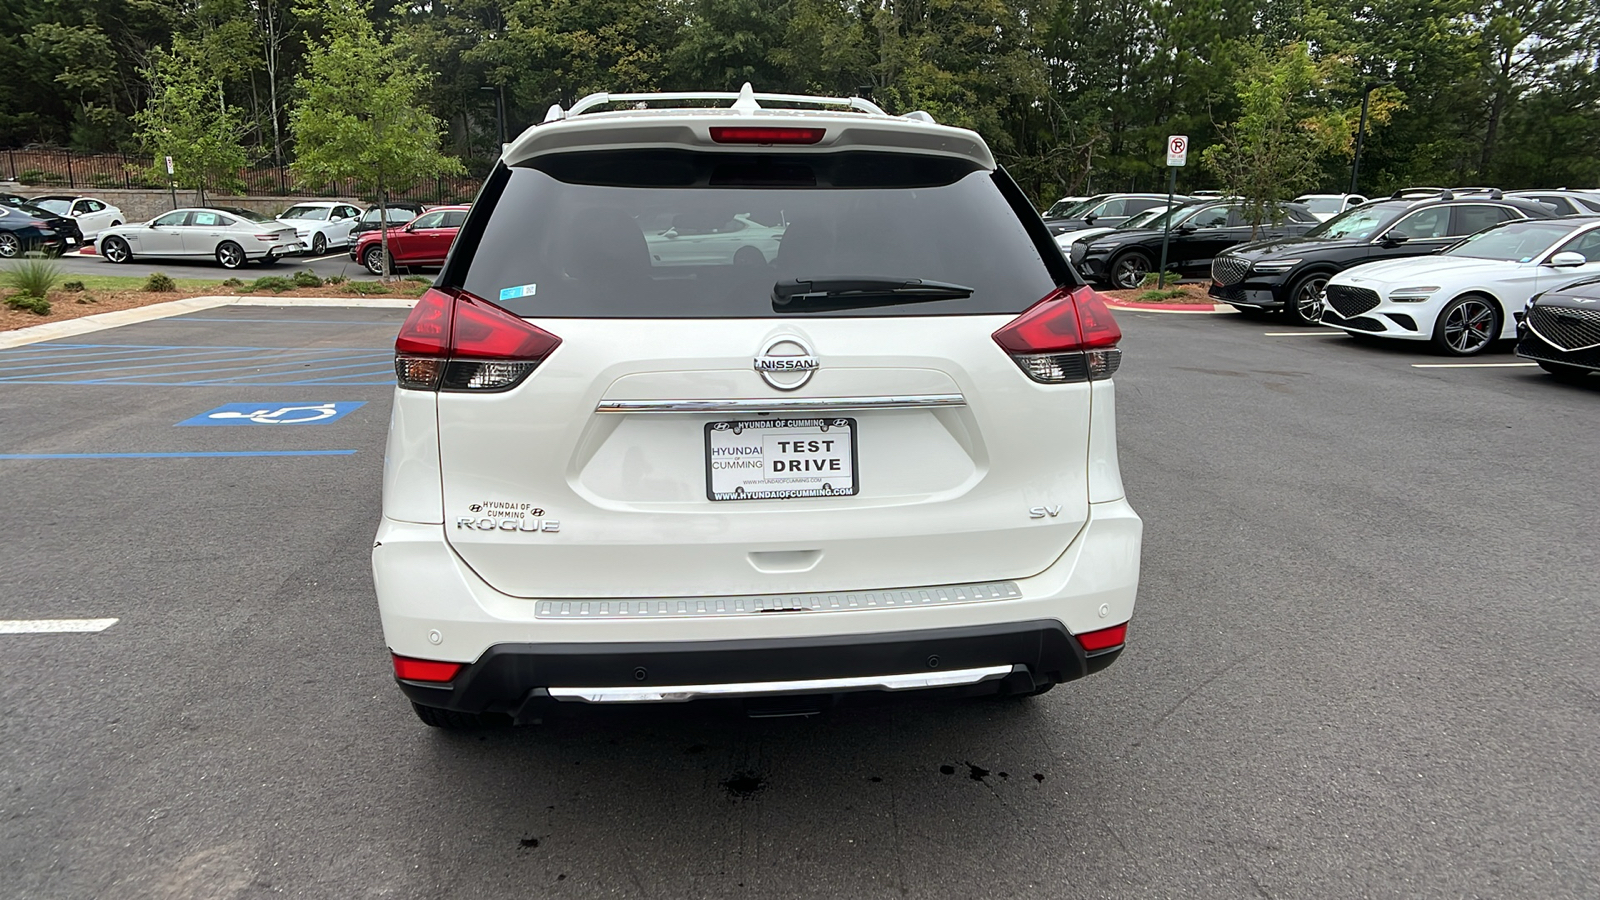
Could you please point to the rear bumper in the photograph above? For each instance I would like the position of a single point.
(434, 607)
(530, 681)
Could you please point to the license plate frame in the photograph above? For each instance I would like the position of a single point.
(726, 433)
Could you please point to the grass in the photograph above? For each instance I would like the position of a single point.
(1168, 294)
(1154, 278)
(109, 283)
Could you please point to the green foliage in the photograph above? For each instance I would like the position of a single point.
(29, 303)
(74, 286)
(305, 278)
(1151, 279)
(274, 283)
(419, 279)
(159, 283)
(368, 287)
(31, 277)
(232, 283)
(335, 279)
(1160, 295)
(188, 119)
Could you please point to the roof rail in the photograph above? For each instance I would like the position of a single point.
(746, 99)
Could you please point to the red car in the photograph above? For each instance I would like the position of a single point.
(424, 241)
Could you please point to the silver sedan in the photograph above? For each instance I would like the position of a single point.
(227, 234)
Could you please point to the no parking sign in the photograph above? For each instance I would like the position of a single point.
(1177, 149)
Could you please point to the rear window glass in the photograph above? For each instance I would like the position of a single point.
(677, 234)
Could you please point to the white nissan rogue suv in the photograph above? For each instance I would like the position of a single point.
(783, 400)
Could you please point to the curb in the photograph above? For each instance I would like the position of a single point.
(1205, 309)
(50, 331)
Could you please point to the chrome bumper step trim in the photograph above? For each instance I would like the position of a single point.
(766, 604)
(684, 692)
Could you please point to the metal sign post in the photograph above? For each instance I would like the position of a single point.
(172, 185)
(1177, 155)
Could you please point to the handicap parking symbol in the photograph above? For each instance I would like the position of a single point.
(276, 413)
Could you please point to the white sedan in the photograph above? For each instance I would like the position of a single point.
(320, 224)
(1462, 300)
(229, 235)
(93, 216)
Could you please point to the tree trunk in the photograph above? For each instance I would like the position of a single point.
(383, 228)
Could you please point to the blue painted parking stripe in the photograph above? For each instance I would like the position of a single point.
(97, 364)
(389, 382)
(207, 455)
(259, 374)
(254, 365)
(394, 321)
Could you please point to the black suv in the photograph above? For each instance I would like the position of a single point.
(1289, 274)
(1200, 230)
(1107, 210)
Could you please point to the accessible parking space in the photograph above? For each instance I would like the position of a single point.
(1362, 662)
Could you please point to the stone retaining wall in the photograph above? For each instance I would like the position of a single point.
(142, 205)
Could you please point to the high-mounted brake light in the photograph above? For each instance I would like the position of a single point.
(408, 669)
(1105, 638)
(454, 341)
(746, 134)
(1068, 336)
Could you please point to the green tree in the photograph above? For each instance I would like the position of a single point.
(189, 119)
(1289, 121)
(359, 116)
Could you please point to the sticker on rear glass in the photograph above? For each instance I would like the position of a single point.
(521, 290)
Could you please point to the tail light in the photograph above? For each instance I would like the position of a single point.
(1068, 336)
(408, 669)
(453, 341)
(766, 135)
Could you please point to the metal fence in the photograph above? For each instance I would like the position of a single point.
(109, 171)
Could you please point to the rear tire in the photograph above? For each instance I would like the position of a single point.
(450, 720)
(116, 250)
(230, 255)
(1564, 372)
(10, 245)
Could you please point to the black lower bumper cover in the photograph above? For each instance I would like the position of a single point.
(513, 678)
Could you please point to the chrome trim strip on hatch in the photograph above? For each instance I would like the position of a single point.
(782, 404)
(681, 692)
(766, 604)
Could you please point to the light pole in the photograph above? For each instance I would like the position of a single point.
(1361, 131)
(499, 110)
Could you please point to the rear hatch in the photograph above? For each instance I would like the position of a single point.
(775, 373)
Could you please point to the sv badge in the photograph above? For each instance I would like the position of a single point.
(1039, 512)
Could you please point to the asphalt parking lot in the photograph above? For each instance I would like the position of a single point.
(1362, 664)
(336, 262)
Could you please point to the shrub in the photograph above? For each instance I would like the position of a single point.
(75, 286)
(274, 283)
(420, 279)
(335, 279)
(369, 287)
(104, 180)
(1168, 294)
(305, 278)
(31, 176)
(232, 283)
(1152, 279)
(159, 283)
(87, 299)
(29, 303)
(32, 277)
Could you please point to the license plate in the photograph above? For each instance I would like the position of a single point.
(780, 459)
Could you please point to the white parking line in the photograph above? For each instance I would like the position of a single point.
(1471, 365)
(54, 626)
(1303, 333)
(319, 258)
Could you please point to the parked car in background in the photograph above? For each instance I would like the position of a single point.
(1290, 274)
(1560, 330)
(1326, 206)
(1066, 239)
(93, 216)
(399, 212)
(1107, 210)
(1060, 207)
(1200, 230)
(320, 224)
(1462, 299)
(230, 235)
(21, 233)
(423, 242)
(71, 234)
(696, 238)
(1565, 202)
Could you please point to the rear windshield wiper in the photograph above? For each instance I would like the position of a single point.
(822, 294)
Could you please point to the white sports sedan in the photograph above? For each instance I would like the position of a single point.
(229, 235)
(320, 224)
(1462, 299)
(93, 216)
